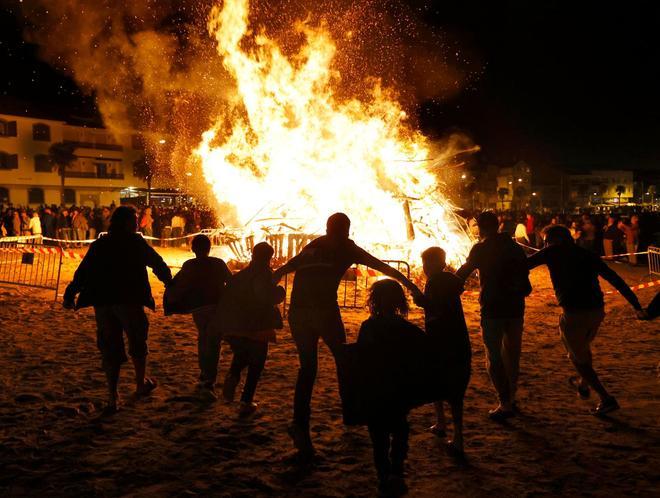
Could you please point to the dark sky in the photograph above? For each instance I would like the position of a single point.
(564, 83)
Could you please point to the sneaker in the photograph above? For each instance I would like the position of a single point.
(393, 486)
(301, 439)
(229, 387)
(246, 409)
(606, 406)
(147, 388)
(207, 393)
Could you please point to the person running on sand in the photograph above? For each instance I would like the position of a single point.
(390, 347)
(112, 277)
(314, 311)
(446, 328)
(504, 281)
(197, 289)
(574, 273)
(249, 317)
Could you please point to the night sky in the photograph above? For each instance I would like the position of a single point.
(571, 84)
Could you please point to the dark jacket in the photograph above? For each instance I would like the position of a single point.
(503, 276)
(392, 360)
(48, 225)
(250, 302)
(574, 273)
(200, 282)
(114, 271)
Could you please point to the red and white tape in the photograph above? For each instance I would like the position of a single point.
(44, 250)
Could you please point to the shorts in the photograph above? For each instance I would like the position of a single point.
(578, 329)
(112, 321)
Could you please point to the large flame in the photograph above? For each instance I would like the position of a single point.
(291, 151)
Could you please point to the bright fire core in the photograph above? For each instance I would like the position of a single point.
(289, 152)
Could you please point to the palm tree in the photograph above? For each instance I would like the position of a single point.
(62, 155)
(620, 189)
(142, 169)
(502, 192)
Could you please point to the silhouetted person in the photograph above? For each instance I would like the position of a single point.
(249, 318)
(314, 312)
(48, 224)
(446, 328)
(654, 307)
(574, 273)
(504, 281)
(113, 278)
(389, 348)
(197, 289)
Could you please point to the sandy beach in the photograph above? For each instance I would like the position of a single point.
(53, 442)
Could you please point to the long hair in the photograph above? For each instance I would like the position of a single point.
(386, 298)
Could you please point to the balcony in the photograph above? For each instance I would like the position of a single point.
(95, 174)
(94, 145)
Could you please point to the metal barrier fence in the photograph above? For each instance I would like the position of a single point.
(30, 265)
(654, 260)
(352, 292)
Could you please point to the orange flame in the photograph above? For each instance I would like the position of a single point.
(290, 150)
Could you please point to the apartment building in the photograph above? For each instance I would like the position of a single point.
(102, 169)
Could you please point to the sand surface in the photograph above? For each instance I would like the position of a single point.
(53, 442)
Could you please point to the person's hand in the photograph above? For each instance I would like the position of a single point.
(642, 314)
(418, 297)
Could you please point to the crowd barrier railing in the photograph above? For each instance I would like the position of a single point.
(27, 265)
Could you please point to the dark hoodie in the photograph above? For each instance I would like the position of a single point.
(114, 271)
(503, 276)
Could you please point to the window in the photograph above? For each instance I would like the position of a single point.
(8, 161)
(41, 132)
(35, 196)
(4, 196)
(42, 163)
(7, 128)
(69, 196)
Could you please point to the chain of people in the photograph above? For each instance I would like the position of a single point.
(393, 367)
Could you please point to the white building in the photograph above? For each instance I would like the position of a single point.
(104, 164)
(601, 187)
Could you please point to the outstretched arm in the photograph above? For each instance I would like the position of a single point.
(364, 258)
(158, 265)
(288, 267)
(613, 278)
(536, 259)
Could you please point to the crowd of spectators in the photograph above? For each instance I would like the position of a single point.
(78, 223)
(603, 234)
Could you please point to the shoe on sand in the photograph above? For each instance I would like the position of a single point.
(393, 485)
(606, 406)
(438, 431)
(246, 409)
(301, 440)
(147, 388)
(207, 393)
(229, 387)
(500, 415)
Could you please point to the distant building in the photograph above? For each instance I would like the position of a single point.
(103, 168)
(514, 186)
(600, 187)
